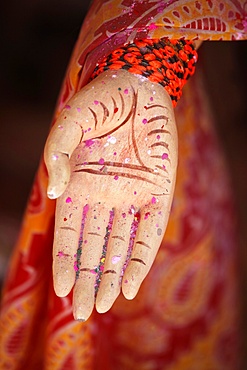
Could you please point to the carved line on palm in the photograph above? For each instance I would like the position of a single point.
(152, 138)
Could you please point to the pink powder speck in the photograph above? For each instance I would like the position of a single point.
(116, 177)
(115, 153)
(164, 156)
(115, 259)
(101, 161)
(60, 254)
(164, 167)
(158, 137)
(96, 102)
(68, 200)
(134, 192)
(157, 225)
(89, 143)
(85, 241)
(151, 98)
(67, 107)
(75, 266)
(78, 109)
(124, 215)
(152, 27)
(126, 91)
(153, 200)
(144, 121)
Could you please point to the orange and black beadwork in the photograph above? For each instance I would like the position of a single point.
(167, 62)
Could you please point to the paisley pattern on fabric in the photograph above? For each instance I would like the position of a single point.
(186, 310)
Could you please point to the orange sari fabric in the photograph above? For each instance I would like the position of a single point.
(185, 315)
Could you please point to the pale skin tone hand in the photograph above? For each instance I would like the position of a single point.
(113, 147)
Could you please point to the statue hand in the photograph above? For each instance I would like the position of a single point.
(118, 140)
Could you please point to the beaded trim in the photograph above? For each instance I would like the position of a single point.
(167, 62)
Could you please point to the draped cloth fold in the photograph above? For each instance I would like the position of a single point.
(186, 313)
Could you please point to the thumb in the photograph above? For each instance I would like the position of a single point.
(64, 137)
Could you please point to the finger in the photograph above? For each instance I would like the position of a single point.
(64, 137)
(115, 258)
(92, 248)
(68, 219)
(148, 238)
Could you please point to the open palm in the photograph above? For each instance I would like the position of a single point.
(116, 147)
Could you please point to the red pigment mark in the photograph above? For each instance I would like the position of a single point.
(221, 6)
(210, 3)
(101, 161)
(152, 26)
(176, 13)
(68, 200)
(67, 107)
(124, 215)
(65, 219)
(166, 20)
(153, 200)
(115, 110)
(198, 5)
(164, 156)
(126, 91)
(116, 177)
(96, 102)
(144, 121)
(78, 109)
(146, 215)
(186, 9)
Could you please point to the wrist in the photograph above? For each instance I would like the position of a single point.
(167, 62)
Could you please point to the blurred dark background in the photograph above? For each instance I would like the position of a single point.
(37, 39)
